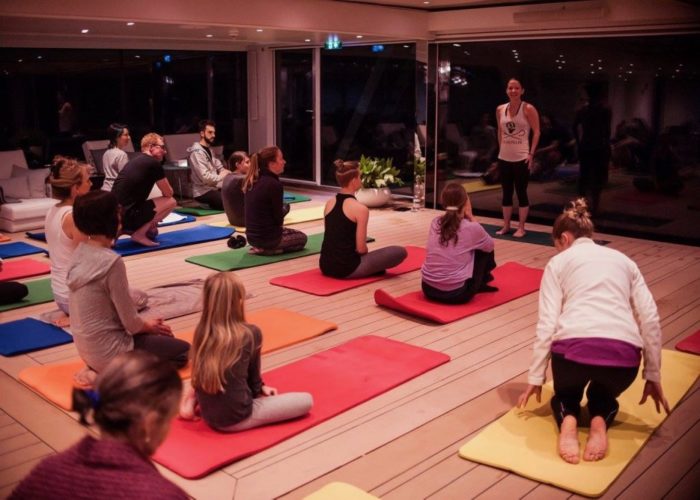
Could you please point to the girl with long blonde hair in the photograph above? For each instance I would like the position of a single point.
(227, 388)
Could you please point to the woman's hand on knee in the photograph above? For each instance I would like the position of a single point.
(654, 390)
(525, 396)
(157, 327)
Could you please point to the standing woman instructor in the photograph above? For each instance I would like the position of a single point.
(516, 119)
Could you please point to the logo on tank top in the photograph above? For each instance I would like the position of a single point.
(512, 134)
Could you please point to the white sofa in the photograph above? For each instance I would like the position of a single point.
(27, 191)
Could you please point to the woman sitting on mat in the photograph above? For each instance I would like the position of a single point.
(265, 208)
(104, 321)
(460, 254)
(227, 388)
(135, 399)
(344, 251)
(231, 189)
(11, 291)
(114, 159)
(597, 318)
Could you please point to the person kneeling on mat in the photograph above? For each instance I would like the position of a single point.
(459, 256)
(596, 318)
(227, 388)
(344, 252)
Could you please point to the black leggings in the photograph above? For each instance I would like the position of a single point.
(11, 291)
(605, 384)
(514, 175)
(164, 347)
(212, 198)
(484, 263)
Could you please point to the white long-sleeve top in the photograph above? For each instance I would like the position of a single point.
(591, 291)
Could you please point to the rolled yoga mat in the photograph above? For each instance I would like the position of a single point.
(524, 441)
(39, 293)
(315, 283)
(512, 279)
(18, 249)
(29, 334)
(23, 268)
(339, 379)
(690, 344)
(280, 328)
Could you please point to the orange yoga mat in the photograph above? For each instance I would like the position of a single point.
(280, 328)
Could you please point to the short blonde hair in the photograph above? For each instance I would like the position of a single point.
(150, 139)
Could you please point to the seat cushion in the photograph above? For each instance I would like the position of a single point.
(27, 209)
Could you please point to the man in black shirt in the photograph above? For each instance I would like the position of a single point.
(133, 185)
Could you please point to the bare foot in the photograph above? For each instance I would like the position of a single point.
(256, 251)
(62, 321)
(597, 444)
(188, 404)
(144, 241)
(568, 440)
(519, 233)
(85, 378)
(503, 230)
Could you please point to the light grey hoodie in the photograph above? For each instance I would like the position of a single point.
(102, 313)
(205, 173)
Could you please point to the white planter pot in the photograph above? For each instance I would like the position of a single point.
(373, 197)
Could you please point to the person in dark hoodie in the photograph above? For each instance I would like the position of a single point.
(207, 171)
(104, 320)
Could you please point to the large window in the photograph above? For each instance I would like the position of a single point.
(650, 85)
(54, 99)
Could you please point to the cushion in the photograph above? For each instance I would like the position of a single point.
(15, 187)
(10, 158)
(36, 179)
(28, 209)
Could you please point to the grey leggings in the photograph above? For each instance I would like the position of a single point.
(271, 409)
(379, 260)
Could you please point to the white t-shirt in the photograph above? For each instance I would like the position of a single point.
(61, 249)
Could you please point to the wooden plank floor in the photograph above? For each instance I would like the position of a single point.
(402, 444)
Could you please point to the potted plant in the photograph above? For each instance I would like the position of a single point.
(376, 175)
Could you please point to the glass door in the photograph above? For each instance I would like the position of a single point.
(295, 111)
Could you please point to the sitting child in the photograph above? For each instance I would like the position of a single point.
(227, 388)
(460, 254)
(344, 252)
(232, 188)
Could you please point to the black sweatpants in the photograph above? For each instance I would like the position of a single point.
(484, 263)
(212, 198)
(165, 348)
(605, 384)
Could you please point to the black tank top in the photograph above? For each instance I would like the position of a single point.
(339, 256)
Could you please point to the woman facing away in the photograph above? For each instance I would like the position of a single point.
(344, 252)
(460, 253)
(227, 387)
(104, 321)
(114, 159)
(265, 208)
(135, 398)
(516, 119)
(596, 319)
(231, 190)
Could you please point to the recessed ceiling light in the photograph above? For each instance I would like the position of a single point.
(307, 40)
(84, 31)
(209, 35)
(406, 46)
(426, 3)
(259, 30)
(39, 57)
(130, 23)
(359, 36)
(20, 60)
(137, 56)
(456, 45)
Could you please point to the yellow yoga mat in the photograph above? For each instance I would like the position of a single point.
(295, 216)
(280, 328)
(479, 185)
(340, 491)
(524, 441)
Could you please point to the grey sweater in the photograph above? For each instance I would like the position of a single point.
(102, 314)
(205, 171)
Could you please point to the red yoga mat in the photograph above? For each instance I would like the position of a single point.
(315, 283)
(339, 379)
(22, 268)
(690, 344)
(512, 279)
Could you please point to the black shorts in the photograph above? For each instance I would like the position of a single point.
(137, 215)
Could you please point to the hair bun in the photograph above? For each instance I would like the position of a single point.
(579, 208)
(339, 164)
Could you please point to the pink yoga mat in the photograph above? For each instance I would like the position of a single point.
(690, 344)
(512, 279)
(22, 268)
(313, 282)
(338, 379)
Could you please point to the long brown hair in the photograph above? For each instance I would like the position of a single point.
(258, 161)
(575, 219)
(453, 199)
(220, 335)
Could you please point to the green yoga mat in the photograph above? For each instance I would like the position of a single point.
(39, 292)
(200, 212)
(241, 259)
(295, 197)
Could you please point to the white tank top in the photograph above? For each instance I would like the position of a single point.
(515, 135)
(60, 250)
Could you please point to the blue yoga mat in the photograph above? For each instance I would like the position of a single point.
(198, 234)
(41, 236)
(27, 335)
(18, 249)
